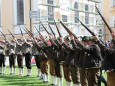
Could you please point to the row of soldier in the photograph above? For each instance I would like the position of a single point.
(81, 60)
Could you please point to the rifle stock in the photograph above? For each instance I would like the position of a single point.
(111, 31)
(57, 29)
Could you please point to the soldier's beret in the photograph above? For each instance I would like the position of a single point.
(85, 38)
(66, 38)
(19, 40)
(92, 39)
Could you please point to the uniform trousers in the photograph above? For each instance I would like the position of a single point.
(83, 77)
(110, 78)
(20, 60)
(67, 73)
(2, 60)
(37, 61)
(92, 76)
(44, 66)
(28, 60)
(75, 74)
(52, 66)
(12, 60)
(58, 69)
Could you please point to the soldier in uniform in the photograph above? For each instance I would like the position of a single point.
(58, 59)
(51, 62)
(82, 70)
(42, 49)
(20, 56)
(35, 53)
(2, 57)
(109, 60)
(92, 61)
(27, 53)
(67, 73)
(12, 55)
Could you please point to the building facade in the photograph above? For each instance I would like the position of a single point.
(17, 13)
(108, 11)
(69, 11)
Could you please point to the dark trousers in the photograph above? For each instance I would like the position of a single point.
(58, 70)
(2, 60)
(67, 73)
(37, 61)
(28, 60)
(75, 74)
(20, 60)
(12, 60)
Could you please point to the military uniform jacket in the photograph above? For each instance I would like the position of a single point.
(61, 54)
(34, 49)
(19, 48)
(109, 57)
(76, 58)
(71, 53)
(11, 48)
(42, 49)
(26, 47)
(92, 56)
(2, 49)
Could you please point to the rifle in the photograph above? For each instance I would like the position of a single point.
(51, 30)
(45, 29)
(70, 33)
(38, 32)
(87, 28)
(57, 29)
(29, 32)
(11, 33)
(21, 31)
(3, 34)
(111, 31)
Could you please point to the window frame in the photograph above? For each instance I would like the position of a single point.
(64, 18)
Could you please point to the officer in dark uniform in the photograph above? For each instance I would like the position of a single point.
(67, 73)
(92, 61)
(42, 49)
(109, 60)
(82, 70)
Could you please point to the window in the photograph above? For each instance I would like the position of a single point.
(50, 1)
(87, 18)
(50, 10)
(86, 7)
(76, 15)
(113, 3)
(86, 14)
(20, 12)
(50, 13)
(0, 13)
(75, 5)
(64, 18)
